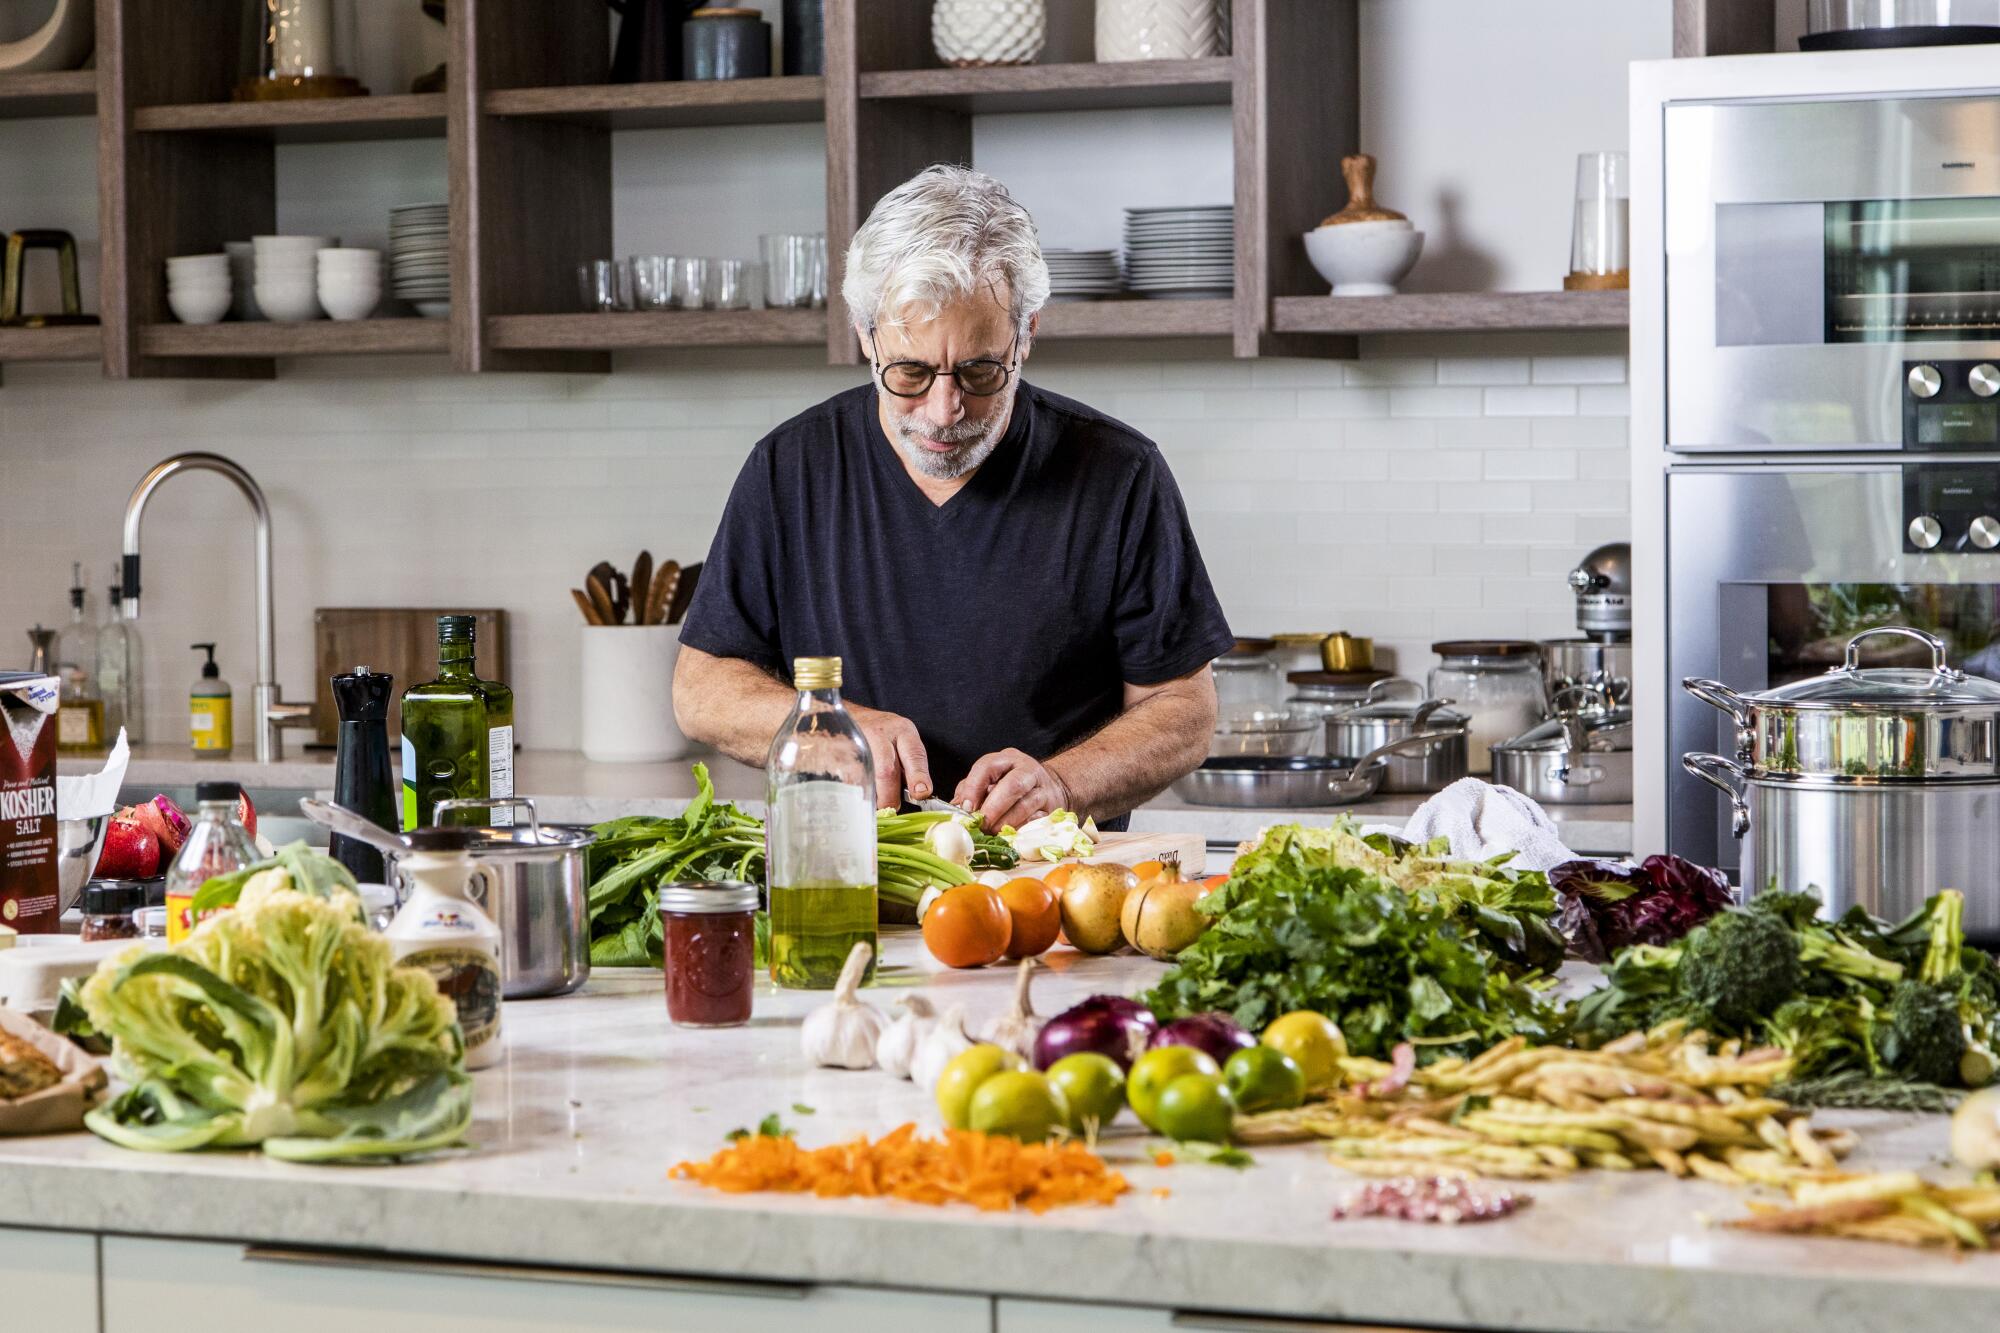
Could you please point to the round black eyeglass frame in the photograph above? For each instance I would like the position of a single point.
(955, 374)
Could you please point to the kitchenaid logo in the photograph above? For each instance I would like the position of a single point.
(28, 803)
(1958, 166)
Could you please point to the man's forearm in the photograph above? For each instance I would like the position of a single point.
(729, 704)
(1139, 753)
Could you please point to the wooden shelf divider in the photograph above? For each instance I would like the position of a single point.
(313, 337)
(313, 120)
(1454, 312)
(644, 106)
(70, 92)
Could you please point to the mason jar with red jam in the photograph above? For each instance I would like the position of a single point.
(711, 952)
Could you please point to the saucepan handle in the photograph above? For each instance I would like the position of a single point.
(1717, 695)
(1723, 775)
(495, 803)
(1940, 660)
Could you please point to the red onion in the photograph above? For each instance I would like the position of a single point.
(1108, 1024)
(1215, 1034)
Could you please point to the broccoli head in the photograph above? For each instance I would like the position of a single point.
(1925, 1038)
(1737, 968)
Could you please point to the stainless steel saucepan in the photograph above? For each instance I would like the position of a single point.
(1289, 782)
(540, 904)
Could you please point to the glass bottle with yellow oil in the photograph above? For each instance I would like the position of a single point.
(819, 834)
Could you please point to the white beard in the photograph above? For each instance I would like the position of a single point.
(976, 441)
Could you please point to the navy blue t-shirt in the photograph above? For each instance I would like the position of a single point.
(1011, 615)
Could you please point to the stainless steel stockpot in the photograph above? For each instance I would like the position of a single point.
(1570, 759)
(1432, 766)
(1876, 786)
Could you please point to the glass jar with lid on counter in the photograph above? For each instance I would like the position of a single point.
(1246, 678)
(710, 952)
(1497, 683)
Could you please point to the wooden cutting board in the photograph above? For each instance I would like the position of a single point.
(1131, 848)
(399, 640)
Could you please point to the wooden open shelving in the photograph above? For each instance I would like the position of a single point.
(71, 92)
(316, 337)
(1453, 312)
(1067, 87)
(328, 120)
(527, 122)
(64, 342)
(799, 99)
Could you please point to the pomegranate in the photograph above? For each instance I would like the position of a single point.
(130, 852)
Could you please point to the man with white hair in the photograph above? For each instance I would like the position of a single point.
(1008, 576)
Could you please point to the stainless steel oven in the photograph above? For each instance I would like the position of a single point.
(1832, 274)
(1776, 564)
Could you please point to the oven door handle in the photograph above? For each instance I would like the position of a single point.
(1723, 775)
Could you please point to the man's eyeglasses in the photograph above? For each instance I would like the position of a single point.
(978, 379)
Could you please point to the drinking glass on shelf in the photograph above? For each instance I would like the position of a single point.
(794, 271)
(653, 279)
(734, 284)
(606, 284)
(693, 287)
(1600, 244)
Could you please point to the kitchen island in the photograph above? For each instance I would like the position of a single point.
(571, 789)
(562, 1215)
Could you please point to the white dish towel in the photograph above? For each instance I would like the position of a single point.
(1483, 820)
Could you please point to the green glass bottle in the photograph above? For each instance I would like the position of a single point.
(458, 735)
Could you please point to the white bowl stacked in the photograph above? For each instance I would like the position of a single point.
(198, 288)
(420, 257)
(288, 275)
(350, 282)
(243, 280)
(1185, 252)
(1083, 275)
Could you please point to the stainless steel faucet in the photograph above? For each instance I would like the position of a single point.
(273, 713)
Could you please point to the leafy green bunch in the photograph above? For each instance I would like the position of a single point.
(1903, 1004)
(1294, 929)
(283, 1023)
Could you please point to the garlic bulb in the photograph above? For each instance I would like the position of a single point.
(896, 1049)
(1975, 1131)
(1015, 1030)
(945, 1039)
(842, 1033)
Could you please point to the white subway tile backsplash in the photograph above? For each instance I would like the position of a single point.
(1343, 403)
(1539, 400)
(1579, 370)
(1434, 402)
(1409, 497)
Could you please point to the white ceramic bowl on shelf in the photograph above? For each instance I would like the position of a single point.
(348, 300)
(288, 300)
(199, 304)
(1364, 258)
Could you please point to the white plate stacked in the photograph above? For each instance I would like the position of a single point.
(1083, 275)
(1187, 252)
(420, 257)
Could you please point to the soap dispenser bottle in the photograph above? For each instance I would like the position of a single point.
(211, 724)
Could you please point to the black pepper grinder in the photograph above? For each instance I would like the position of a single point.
(361, 772)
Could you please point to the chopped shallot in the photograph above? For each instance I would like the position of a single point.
(1429, 1199)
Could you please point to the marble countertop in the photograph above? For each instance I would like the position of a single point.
(598, 1097)
(571, 789)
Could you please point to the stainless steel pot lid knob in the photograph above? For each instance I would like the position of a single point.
(1984, 532)
(1984, 379)
(1925, 381)
(1925, 532)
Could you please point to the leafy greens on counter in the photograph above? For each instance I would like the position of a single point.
(1392, 944)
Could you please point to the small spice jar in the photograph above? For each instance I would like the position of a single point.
(109, 907)
(710, 952)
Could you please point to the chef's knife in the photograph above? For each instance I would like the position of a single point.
(933, 804)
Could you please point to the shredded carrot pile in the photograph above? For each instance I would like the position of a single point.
(985, 1170)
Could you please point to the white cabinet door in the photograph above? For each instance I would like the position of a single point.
(158, 1286)
(48, 1280)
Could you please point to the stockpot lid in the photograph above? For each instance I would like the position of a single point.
(1901, 689)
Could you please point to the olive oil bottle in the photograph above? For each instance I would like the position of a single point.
(458, 735)
(819, 835)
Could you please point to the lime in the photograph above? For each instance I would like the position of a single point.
(1158, 1067)
(1093, 1085)
(962, 1077)
(1264, 1078)
(1314, 1043)
(1020, 1104)
(1196, 1106)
